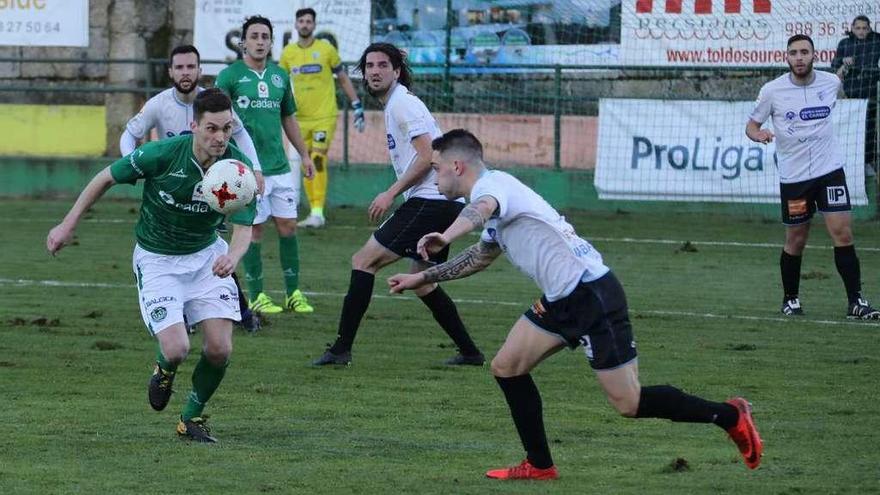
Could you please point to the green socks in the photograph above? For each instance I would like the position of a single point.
(289, 250)
(206, 378)
(163, 363)
(253, 269)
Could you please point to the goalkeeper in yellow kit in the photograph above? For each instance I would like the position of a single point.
(311, 64)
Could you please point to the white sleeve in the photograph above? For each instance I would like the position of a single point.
(246, 145)
(487, 186)
(763, 107)
(410, 119)
(140, 124)
(127, 143)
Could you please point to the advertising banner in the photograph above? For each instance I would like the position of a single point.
(217, 30)
(44, 22)
(698, 151)
(733, 32)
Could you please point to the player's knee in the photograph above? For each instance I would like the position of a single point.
(842, 236)
(425, 290)
(218, 352)
(286, 227)
(363, 261)
(175, 352)
(257, 233)
(319, 159)
(504, 367)
(625, 402)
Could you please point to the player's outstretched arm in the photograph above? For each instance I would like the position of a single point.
(756, 134)
(473, 216)
(61, 234)
(472, 260)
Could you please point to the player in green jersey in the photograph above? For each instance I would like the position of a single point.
(182, 266)
(263, 99)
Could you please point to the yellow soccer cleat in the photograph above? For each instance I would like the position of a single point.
(297, 302)
(263, 304)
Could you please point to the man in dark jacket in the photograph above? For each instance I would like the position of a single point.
(856, 62)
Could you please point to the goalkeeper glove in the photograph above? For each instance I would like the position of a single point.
(359, 122)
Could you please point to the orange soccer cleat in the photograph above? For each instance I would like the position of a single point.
(525, 471)
(745, 435)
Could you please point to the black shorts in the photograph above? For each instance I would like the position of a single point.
(416, 217)
(827, 193)
(595, 316)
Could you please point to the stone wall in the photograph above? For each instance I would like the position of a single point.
(118, 29)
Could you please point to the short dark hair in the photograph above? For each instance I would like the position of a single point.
(181, 49)
(256, 19)
(801, 37)
(305, 11)
(862, 18)
(398, 61)
(459, 140)
(212, 100)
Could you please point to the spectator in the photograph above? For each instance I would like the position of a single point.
(856, 63)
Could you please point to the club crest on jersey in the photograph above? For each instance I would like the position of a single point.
(158, 314)
(262, 89)
(277, 81)
(391, 143)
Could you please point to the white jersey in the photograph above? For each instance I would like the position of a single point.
(805, 144)
(406, 118)
(171, 117)
(536, 238)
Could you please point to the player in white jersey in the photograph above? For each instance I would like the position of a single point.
(811, 173)
(171, 113)
(583, 304)
(410, 128)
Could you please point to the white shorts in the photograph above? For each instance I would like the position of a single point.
(171, 286)
(279, 199)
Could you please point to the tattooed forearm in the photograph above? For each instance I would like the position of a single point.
(468, 262)
(470, 212)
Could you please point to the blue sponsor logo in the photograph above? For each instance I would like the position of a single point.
(815, 113)
(310, 69)
(391, 143)
(790, 115)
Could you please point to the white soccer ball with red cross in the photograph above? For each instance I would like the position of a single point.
(229, 185)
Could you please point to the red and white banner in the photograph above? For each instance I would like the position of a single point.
(732, 32)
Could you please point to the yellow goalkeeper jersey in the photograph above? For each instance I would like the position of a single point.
(311, 74)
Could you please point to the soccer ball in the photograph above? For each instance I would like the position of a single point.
(228, 186)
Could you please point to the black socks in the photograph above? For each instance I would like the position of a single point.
(446, 314)
(790, 266)
(664, 401)
(360, 291)
(525, 408)
(848, 267)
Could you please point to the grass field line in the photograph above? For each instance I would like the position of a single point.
(687, 314)
(625, 240)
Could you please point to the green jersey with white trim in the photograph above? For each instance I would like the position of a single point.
(174, 218)
(261, 100)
